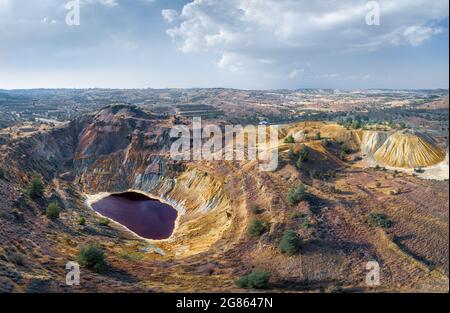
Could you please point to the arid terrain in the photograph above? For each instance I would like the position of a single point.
(350, 174)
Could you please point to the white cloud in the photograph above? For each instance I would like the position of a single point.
(169, 15)
(287, 31)
(109, 3)
(416, 35)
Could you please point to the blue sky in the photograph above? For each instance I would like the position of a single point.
(256, 44)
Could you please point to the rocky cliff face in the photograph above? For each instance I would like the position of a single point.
(122, 148)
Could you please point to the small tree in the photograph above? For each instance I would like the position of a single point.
(82, 221)
(289, 139)
(103, 221)
(318, 136)
(303, 154)
(255, 228)
(296, 195)
(52, 211)
(290, 243)
(35, 188)
(379, 219)
(92, 257)
(258, 279)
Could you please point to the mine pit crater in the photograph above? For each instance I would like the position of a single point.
(146, 216)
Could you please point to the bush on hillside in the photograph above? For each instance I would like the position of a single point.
(256, 280)
(92, 257)
(290, 243)
(52, 211)
(296, 195)
(379, 219)
(35, 188)
(289, 139)
(256, 228)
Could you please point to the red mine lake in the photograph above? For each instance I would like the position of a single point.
(149, 218)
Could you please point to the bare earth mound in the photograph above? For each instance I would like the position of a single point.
(409, 149)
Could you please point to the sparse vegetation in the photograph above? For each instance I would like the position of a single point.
(256, 228)
(52, 211)
(303, 154)
(103, 221)
(82, 221)
(379, 220)
(258, 279)
(296, 195)
(289, 139)
(318, 136)
(297, 215)
(290, 243)
(344, 152)
(35, 188)
(92, 257)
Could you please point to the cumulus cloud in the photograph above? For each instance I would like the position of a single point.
(169, 15)
(286, 30)
(416, 35)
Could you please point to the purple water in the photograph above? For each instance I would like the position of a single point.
(147, 217)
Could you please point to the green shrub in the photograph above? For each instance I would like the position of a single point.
(378, 184)
(103, 221)
(256, 280)
(304, 153)
(290, 243)
(52, 211)
(255, 228)
(289, 139)
(92, 257)
(379, 219)
(296, 195)
(318, 136)
(296, 215)
(82, 221)
(35, 188)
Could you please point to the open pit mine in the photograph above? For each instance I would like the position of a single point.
(369, 195)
